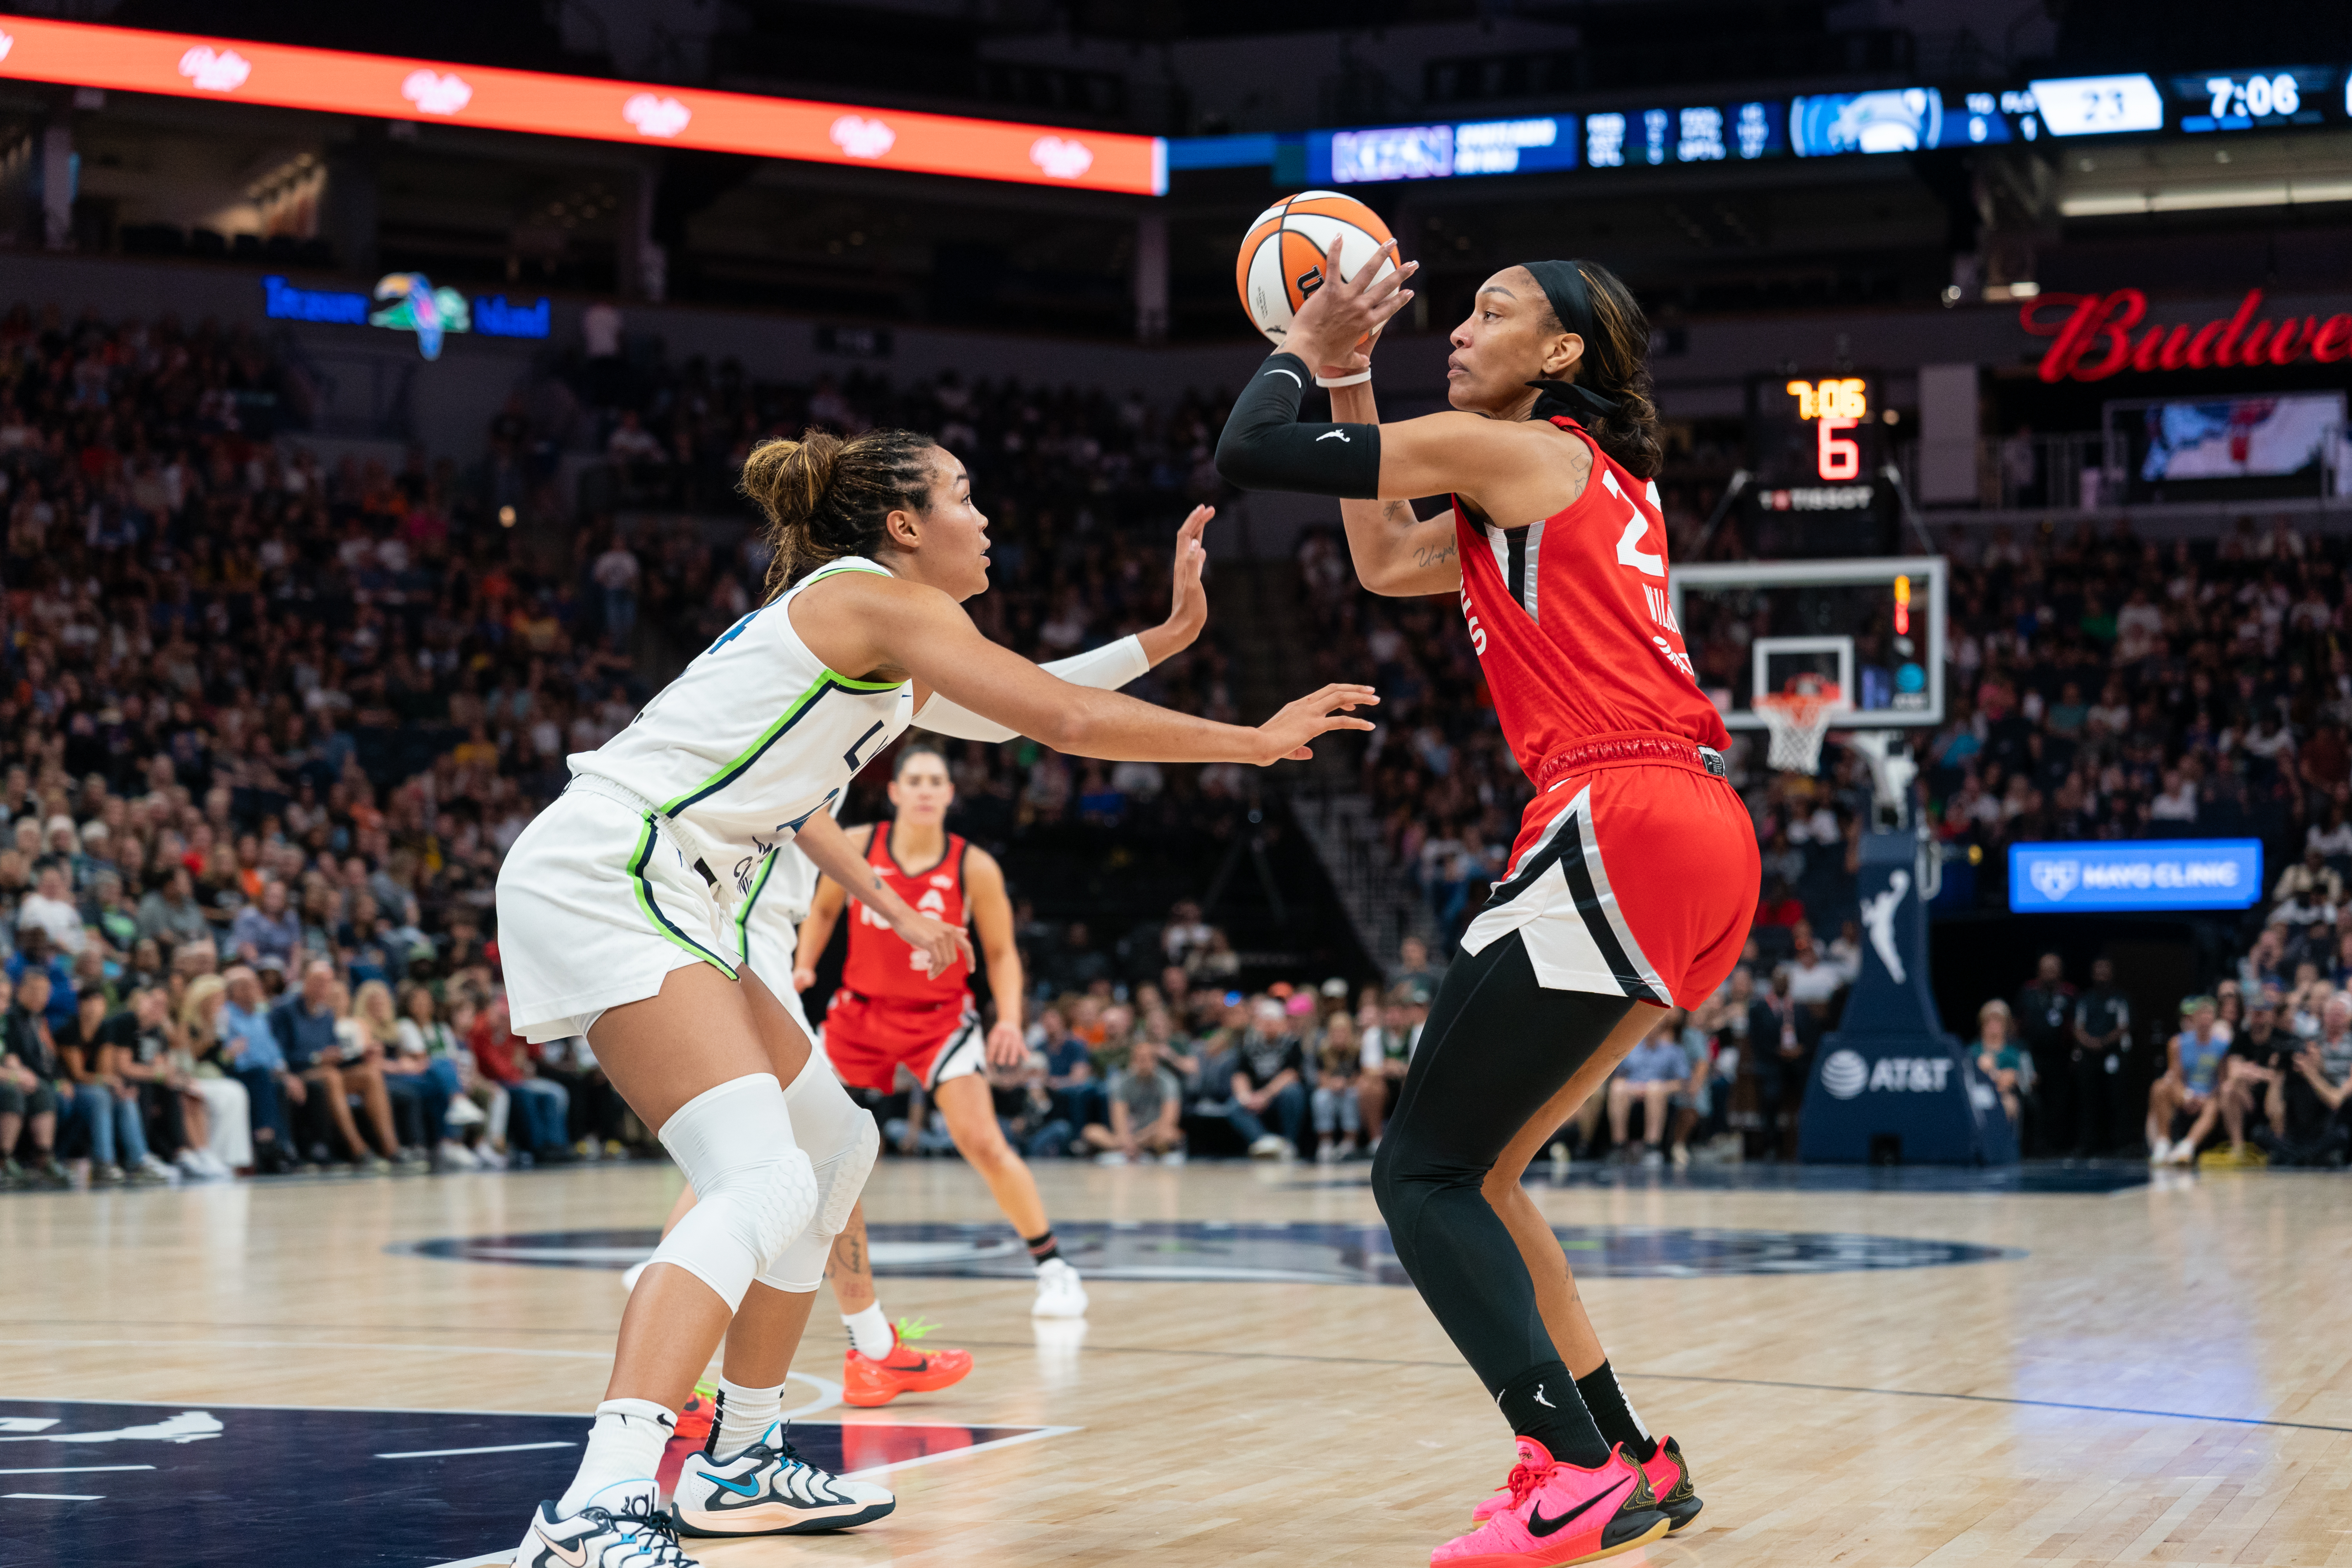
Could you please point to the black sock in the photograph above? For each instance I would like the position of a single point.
(1043, 1249)
(1543, 1404)
(1614, 1415)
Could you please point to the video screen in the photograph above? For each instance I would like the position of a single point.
(2267, 437)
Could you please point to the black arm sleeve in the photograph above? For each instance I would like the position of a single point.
(1265, 446)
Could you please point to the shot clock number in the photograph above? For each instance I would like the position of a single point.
(1834, 406)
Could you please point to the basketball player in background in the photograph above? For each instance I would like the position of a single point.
(890, 1013)
(1635, 871)
(877, 1366)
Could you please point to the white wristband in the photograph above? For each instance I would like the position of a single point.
(1358, 379)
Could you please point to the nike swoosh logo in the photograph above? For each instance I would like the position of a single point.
(740, 1489)
(1539, 1525)
(576, 1556)
(1332, 436)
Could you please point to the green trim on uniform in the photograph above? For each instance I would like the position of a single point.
(663, 925)
(743, 908)
(826, 681)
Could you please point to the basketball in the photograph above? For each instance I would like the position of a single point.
(1282, 254)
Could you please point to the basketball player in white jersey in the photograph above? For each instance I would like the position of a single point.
(613, 909)
(877, 1366)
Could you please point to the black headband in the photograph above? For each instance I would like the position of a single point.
(1572, 301)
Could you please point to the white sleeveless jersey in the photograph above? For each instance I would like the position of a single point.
(753, 737)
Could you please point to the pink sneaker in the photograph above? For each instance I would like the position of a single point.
(1551, 1514)
(1668, 1473)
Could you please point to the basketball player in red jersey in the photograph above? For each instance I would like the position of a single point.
(1635, 871)
(892, 1012)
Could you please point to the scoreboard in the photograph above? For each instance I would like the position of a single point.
(1817, 452)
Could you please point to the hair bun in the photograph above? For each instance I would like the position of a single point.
(787, 480)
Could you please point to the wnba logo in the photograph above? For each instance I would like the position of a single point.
(1844, 1074)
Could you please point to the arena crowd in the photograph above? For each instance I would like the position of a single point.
(267, 723)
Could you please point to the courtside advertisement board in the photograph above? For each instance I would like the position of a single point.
(186, 65)
(2158, 874)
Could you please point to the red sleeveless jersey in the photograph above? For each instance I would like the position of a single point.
(1570, 621)
(883, 965)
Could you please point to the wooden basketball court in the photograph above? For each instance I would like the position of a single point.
(2157, 1372)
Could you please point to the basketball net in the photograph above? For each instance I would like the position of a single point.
(1798, 720)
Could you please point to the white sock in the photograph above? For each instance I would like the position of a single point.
(745, 1416)
(625, 1449)
(869, 1330)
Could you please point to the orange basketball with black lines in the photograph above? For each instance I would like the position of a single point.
(1282, 258)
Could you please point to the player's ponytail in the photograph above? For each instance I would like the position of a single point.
(825, 499)
(1609, 391)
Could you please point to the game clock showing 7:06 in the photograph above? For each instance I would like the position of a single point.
(2247, 100)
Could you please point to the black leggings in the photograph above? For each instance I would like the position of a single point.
(1498, 1046)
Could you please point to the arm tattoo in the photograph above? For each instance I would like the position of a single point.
(1399, 513)
(1433, 555)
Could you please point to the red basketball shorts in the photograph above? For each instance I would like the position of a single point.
(1637, 880)
(869, 1039)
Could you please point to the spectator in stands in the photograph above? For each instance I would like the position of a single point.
(305, 1021)
(1648, 1076)
(1069, 1068)
(425, 1038)
(1996, 1056)
(1269, 1076)
(28, 1091)
(36, 956)
(1813, 981)
(2044, 1016)
(104, 1104)
(1336, 1103)
(2310, 1104)
(170, 913)
(505, 1058)
(49, 907)
(2310, 880)
(249, 1052)
(2102, 1038)
(2255, 1057)
(1781, 1038)
(1414, 970)
(224, 1126)
(266, 929)
(2187, 1087)
(1145, 1102)
(1388, 1052)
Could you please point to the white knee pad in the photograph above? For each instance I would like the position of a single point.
(839, 1136)
(754, 1189)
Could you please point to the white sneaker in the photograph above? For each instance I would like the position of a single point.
(191, 1165)
(491, 1159)
(457, 1156)
(157, 1168)
(1059, 1294)
(769, 1489)
(1327, 1152)
(635, 1272)
(1173, 1157)
(637, 1535)
(2183, 1153)
(1110, 1157)
(2161, 1152)
(1269, 1147)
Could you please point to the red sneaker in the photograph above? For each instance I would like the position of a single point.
(1669, 1476)
(1556, 1514)
(867, 1382)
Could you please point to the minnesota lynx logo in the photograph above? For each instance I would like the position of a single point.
(2055, 878)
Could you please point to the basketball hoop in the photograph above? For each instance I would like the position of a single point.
(1797, 719)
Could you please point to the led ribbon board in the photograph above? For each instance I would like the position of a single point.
(2152, 873)
(181, 65)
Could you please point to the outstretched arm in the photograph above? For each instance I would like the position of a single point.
(869, 622)
(1112, 666)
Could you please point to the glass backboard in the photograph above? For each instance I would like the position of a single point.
(1875, 626)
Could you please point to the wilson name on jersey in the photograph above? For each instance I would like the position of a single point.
(1572, 623)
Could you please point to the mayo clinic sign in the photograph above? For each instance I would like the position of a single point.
(2150, 875)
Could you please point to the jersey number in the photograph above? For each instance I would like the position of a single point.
(850, 756)
(1630, 552)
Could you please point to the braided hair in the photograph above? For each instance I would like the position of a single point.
(826, 498)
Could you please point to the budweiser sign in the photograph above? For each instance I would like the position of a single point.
(2099, 335)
